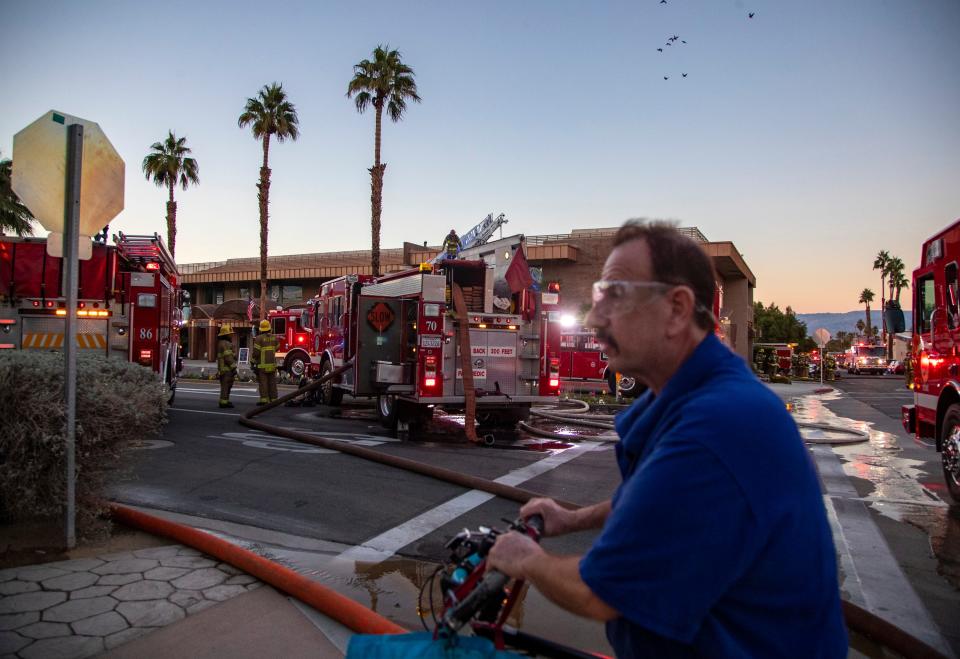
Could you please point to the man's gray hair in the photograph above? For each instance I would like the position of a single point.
(678, 260)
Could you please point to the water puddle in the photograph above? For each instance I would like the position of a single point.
(400, 589)
(899, 492)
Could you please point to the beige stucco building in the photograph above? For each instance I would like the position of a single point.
(220, 291)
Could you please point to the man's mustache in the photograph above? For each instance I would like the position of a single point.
(608, 340)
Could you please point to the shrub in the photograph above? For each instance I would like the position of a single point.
(116, 402)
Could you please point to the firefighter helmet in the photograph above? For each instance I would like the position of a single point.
(225, 330)
(264, 325)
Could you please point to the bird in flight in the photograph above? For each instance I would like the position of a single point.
(684, 75)
(750, 15)
(674, 38)
(682, 41)
(669, 43)
(666, 77)
(659, 50)
(663, 2)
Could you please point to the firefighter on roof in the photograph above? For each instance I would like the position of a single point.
(452, 245)
(263, 360)
(226, 364)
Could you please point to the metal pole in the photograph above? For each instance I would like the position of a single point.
(71, 239)
(821, 365)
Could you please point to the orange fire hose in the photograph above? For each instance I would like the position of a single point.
(343, 609)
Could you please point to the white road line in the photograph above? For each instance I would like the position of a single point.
(388, 543)
(184, 409)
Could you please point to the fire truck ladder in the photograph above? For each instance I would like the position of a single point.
(146, 249)
(479, 234)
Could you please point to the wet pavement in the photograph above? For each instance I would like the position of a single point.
(891, 484)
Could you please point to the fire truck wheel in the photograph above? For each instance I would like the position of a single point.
(950, 450)
(387, 411)
(296, 365)
(329, 394)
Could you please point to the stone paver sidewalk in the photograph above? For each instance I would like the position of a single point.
(83, 607)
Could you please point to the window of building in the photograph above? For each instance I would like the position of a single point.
(244, 293)
(218, 294)
(279, 325)
(292, 294)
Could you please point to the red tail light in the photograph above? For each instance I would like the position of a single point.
(554, 382)
(301, 338)
(153, 266)
(429, 371)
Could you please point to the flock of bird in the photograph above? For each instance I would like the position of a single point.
(673, 39)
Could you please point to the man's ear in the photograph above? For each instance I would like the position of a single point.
(682, 304)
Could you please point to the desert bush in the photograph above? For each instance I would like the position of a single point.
(116, 402)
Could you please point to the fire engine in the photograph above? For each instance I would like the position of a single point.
(863, 358)
(401, 332)
(935, 413)
(128, 302)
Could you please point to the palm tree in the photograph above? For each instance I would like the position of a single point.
(882, 263)
(168, 165)
(860, 326)
(895, 269)
(898, 282)
(866, 297)
(14, 216)
(385, 81)
(270, 113)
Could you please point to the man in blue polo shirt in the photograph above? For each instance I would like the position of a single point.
(716, 543)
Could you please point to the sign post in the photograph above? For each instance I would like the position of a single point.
(47, 177)
(822, 336)
(71, 238)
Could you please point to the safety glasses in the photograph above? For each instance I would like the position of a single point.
(612, 297)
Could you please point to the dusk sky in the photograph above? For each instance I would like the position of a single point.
(811, 136)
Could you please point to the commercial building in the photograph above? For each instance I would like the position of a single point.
(229, 291)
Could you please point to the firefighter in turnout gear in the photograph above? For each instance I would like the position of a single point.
(226, 364)
(263, 360)
(452, 245)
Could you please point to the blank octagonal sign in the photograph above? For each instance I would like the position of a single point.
(39, 173)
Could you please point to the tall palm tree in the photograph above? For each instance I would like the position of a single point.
(895, 267)
(383, 82)
(866, 297)
(168, 165)
(14, 216)
(898, 281)
(882, 263)
(270, 113)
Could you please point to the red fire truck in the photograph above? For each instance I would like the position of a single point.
(400, 330)
(935, 413)
(128, 301)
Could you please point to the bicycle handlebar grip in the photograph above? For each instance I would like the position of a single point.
(536, 523)
(491, 585)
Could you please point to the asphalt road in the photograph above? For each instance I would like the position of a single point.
(308, 506)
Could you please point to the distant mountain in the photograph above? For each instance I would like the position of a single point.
(847, 322)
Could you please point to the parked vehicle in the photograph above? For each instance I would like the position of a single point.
(400, 332)
(128, 304)
(867, 359)
(895, 367)
(935, 412)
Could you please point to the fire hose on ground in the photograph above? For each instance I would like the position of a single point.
(857, 618)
